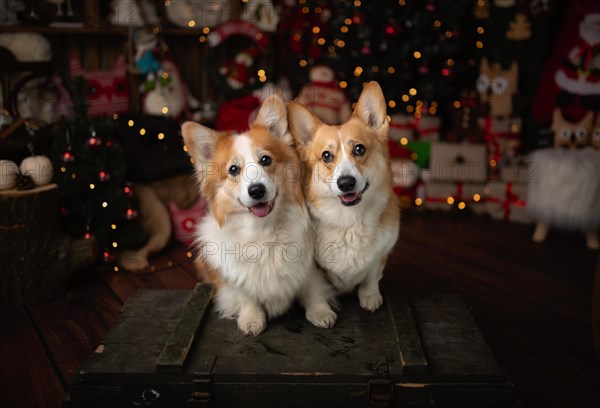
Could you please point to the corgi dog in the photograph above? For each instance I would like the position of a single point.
(348, 188)
(257, 236)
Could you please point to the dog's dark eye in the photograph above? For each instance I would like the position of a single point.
(234, 170)
(327, 156)
(265, 160)
(359, 150)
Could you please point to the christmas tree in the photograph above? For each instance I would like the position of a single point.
(97, 201)
(419, 51)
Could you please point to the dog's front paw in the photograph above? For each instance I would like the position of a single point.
(370, 302)
(252, 328)
(252, 325)
(322, 317)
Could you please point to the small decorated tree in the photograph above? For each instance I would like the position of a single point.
(95, 197)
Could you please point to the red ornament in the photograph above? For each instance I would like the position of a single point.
(128, 189)
(108, 256)
(103, 176)
(94, 142)
(131, 214)
(445, 72)
(67, 157)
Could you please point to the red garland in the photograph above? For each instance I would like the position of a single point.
(510, 199)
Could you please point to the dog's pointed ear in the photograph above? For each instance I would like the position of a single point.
(273, 116)
(302, 123)
(200, 141)
(371, 109)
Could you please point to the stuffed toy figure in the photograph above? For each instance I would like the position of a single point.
(324, 98)
(566, 191)
(156, 200)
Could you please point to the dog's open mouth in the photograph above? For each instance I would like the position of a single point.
(351, 199)
(262, 209)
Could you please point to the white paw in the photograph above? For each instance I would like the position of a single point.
(322, 317)
(252, 328)
(370, 302)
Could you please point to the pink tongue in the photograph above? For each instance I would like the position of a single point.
(348, 198)
(260, 210)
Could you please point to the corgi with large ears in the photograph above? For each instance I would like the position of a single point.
(256, 240)
(348, 187)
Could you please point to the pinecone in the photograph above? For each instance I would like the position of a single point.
(24, 182)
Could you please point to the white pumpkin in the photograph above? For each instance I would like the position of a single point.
(8, 174)
(39, 168)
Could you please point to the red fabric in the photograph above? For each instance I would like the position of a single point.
(185, 221)
(234, 114)
(568, 37)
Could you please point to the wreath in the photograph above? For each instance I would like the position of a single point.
(239, 46)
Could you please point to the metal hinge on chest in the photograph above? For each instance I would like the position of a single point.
(202, 382)
(381, 393)
(380, 388)
(201, 394)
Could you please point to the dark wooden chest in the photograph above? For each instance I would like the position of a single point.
(169, 349)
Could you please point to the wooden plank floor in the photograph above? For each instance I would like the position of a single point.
(533, 303)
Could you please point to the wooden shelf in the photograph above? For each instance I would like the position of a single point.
(93, 30)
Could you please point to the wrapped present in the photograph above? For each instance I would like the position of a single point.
(406, 173)
(427, 128)
(518, 170)
(503, 138)
(424, 128)
(456, 162)
(447, 196)
(421, 152)
(506, 201)
(401, 127)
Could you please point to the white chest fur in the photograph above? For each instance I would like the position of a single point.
(352, 241)
(268, 259)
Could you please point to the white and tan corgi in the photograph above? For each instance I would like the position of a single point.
(257, 235)
(348, 189)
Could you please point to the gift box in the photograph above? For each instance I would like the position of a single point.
(401, 127)
(457, 162)
(425, 128)
(518, 170)
(421, 152)
(503, 138)
(506, 201)
(447, 196)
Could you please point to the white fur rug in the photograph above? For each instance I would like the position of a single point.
(564, 190)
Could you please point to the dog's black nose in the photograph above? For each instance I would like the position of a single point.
(257, 191)
(346, 183)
